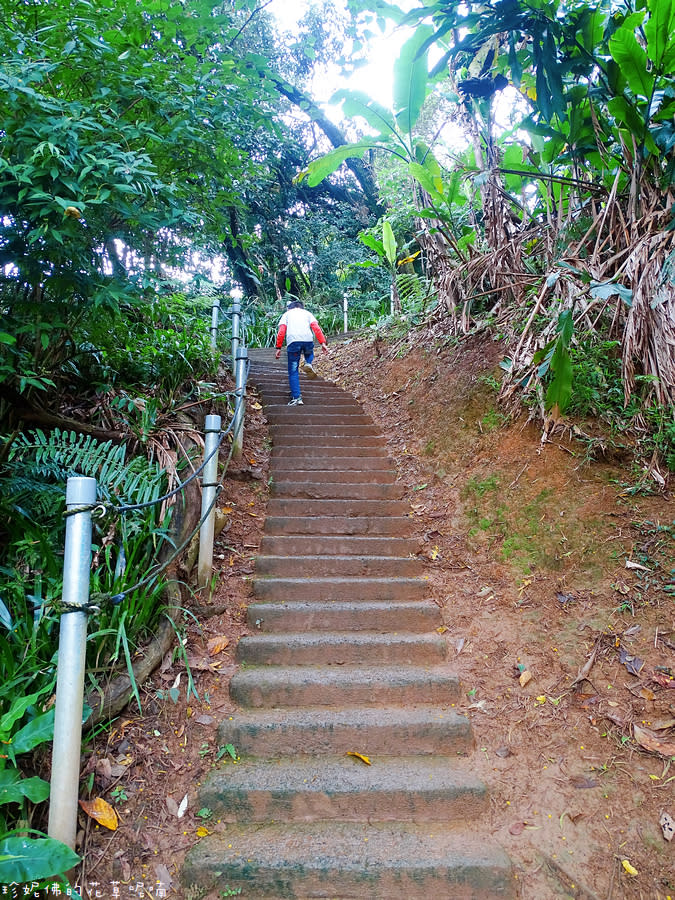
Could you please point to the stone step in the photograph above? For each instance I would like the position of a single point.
(415, 616)
(351, 862)
(389, 731)
(273, 686)
(293, 416)
(397, 526)
(340, 545)
(322, 456)
(333, 477)
(310, 431)
(344, 789)
(281, 590)
(317, 490)
(278, 394)
(361, 566)
(289, 506)
(341, 648)
(297, 437)
(337, 402)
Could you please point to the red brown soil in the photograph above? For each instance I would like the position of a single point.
(527, 545)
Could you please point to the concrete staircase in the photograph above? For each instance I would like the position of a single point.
(344, 658)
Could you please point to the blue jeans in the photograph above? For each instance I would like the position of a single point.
(293, 353)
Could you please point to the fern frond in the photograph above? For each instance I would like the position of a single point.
(60, 454)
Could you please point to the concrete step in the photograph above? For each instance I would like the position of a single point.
(389, 731)
(298, 437)
(285, 415)
(339, 545)
(397, 526)
(322, 456)
(298, 476)
(312, 431)
(362, 566)
(336, 401)
(341, 648)
(273, 686)
(350, 862)
(326, 490)
(414, 616)
(289, 506)
(344, 789)
(278, 394)
(281, 590)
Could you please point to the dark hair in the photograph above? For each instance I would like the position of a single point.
(296, 304)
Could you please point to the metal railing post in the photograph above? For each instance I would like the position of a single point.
(236, 323)
(345, 307)
(65, 780)
(209, 485)
(215, 317)
(240, 393)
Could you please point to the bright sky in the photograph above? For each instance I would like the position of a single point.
(375, 79)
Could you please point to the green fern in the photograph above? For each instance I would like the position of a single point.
(60, 454)
(414, 291)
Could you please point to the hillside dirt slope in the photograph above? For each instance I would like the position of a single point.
(556, 585)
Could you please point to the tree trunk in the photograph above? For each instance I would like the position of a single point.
(362, 172)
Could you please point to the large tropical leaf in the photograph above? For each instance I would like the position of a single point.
(660, 33)
(632, 58)
(389, 242)
(411, 79)
(356, 103)
(321, 168)
(27, 859)
(13, 788)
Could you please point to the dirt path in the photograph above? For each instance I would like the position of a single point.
(526, 547)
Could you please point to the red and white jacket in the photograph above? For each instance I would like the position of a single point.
(298, 325)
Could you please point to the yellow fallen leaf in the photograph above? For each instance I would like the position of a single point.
(226, 509)
(202, 832)
(218, 643)
(525, 678)
(434, 553)
(541, 699)
(256, 406)
(360, 756)
(253, 461)
(630, 869)
(255, 515)
(100, 810)
(442, 629)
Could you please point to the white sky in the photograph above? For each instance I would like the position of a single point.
(375, 78)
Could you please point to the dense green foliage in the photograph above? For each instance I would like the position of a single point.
(522, 182)
(550, 201)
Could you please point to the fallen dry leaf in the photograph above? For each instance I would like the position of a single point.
(100, 810)
(662, 724)
(582, 782)
(218, 643)
(202, 831)
(525, 678)
(360, 756)
(164, 879)
(517, 828)
(652, 742)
